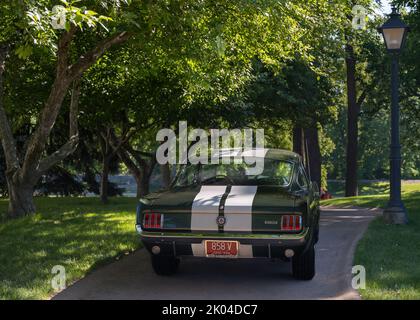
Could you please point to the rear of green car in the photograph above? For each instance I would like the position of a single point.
(256, 217)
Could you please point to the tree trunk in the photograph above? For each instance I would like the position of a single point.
(298, 144)
(146, 173)
(20, 195)
(142, 188)
(314, 154)
(139, 192)
(142, 185)
(166, 175)
(352, 125)
(21, 201)
(104, 179)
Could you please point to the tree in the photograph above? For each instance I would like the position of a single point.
(284, 96)
(23, 175)
(364, 73)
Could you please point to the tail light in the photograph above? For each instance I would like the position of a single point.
(152, 220)
(291, 223)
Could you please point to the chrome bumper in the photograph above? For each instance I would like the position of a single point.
(251, 245)
(279, 238)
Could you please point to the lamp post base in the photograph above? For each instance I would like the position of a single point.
(395, 215)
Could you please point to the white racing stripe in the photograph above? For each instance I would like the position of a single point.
(253, 153)
(238, 208)
(205, 208)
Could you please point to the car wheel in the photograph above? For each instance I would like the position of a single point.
(303, 265)
(316, 234)
(165, 266)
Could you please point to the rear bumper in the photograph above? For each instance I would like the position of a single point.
(250, 245)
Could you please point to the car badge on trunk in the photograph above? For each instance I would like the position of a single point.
(221, 220)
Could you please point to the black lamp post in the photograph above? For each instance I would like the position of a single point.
(394, 31)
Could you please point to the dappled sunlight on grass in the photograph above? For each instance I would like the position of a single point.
(390, 253)
(74, 232)
(336, 188)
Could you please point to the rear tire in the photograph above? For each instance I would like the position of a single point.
(316, 234)
(165, 266)
(303, 265)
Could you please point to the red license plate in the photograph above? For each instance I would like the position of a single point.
(221, 249)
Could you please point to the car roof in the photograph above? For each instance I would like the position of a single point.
(269, 153)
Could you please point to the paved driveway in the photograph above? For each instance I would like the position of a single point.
(133, 278)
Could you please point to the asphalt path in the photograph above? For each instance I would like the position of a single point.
(132, 277)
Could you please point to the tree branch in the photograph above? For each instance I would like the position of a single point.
(124, 156)
(131, 165)
(102, 142)
(65, 75)
(124, 140)
(49, 113)
(137, 155)
(93, 55)
(70, 146)
(74, 109)
(118, 142)
(368, 88)
(63, 51)
(362, 98)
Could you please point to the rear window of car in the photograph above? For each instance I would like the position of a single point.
(275, 173)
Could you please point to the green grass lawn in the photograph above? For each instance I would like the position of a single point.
(77, 233)
(336, 188)
(390, 253)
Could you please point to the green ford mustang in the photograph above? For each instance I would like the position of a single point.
(222, 211)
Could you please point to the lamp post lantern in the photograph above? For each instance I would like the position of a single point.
(394, 31)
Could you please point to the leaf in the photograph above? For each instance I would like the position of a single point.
(90, 13)
(67, 26)
(103, 26)
(24, 51)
